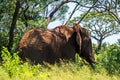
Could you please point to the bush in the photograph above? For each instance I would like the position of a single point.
(15, 67)
(110, 59)
(12, 68)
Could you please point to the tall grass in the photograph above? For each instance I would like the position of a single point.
(12, 68)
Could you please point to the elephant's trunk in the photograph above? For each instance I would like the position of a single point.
(93, 62)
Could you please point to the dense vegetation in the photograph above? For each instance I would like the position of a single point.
(17, 16)
(12, 68)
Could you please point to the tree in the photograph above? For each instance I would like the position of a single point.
(13, 24)
(6, 10)
(110, 6)
(101, 26)
(42, 12)
(18, 16)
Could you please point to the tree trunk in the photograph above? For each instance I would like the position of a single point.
(100, 44)
(13, 24)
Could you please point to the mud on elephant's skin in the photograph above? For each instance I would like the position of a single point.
(62, 42)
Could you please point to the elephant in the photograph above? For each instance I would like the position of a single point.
(63, 42)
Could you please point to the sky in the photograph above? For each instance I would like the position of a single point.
(111, 39)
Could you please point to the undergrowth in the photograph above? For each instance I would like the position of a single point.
(12, 68)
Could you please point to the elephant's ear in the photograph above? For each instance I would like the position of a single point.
(77, 29)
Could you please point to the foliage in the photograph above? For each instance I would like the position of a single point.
(110, 58)
(35, 13)
(6, 12)
(101, 25)
(31, 14)
(12, 68)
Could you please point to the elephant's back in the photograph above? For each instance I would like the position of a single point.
(40, 45)
(30, 45)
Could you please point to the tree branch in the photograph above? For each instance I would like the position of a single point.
(55, 10)
(115, 17)
(71, 14)
(95, 38)
(88, 11)
(106, 8)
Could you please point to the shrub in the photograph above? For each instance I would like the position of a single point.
(14, 66)
(110, 59)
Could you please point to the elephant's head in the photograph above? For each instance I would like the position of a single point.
(83, 39)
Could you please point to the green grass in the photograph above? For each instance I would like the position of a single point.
(55, 72)
(12, 68)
